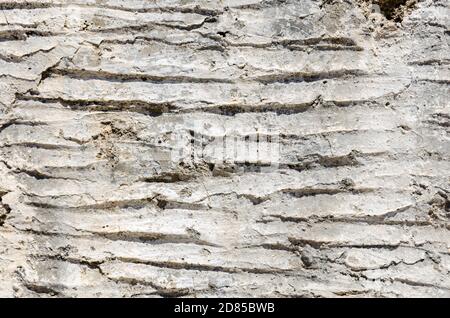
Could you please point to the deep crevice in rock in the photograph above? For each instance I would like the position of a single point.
(6, 210)
(394, 10)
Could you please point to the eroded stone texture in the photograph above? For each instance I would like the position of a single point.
(356, 96)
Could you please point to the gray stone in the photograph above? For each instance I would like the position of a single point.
(235, 148)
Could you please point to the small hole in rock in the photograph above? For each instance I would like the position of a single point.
(223, 33)
(393, 10)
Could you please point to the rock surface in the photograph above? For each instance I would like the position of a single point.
(96, 97)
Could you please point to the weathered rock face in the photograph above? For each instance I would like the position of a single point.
(117, 177)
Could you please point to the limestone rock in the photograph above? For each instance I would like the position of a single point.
(235, 148)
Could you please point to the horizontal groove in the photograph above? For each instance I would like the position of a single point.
(137, 106)
(23, 34)
(132, 203)
(327, 245)
(21, 58)
(295, 77)
(156, 79)
(235, 109)
(156, 202)
(419, 284)
(14, 5)
(200, 267)
(231, 110)
(122, 77)
(343, 186)
(45, 289)
(151, 25)
(158, 109)
(160, 291)
(38, 145)
(323, 43)
(368, 219)
(443, 61)
(19, 122)
(168, 265)
(221, 43)
(152, 238)
(30, 5)
(312, 191)
(36, 174)
(143, 38)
